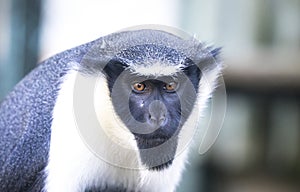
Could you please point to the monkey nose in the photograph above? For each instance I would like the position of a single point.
(157, 114)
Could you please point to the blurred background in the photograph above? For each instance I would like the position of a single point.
(258, 149)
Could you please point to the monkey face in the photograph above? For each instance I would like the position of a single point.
(153, 107)
(148, 96)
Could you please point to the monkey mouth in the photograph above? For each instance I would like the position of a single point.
(146, 143)
(155, 139)
(157, 153)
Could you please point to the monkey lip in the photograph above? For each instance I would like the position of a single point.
(149, 142)
(156, 139)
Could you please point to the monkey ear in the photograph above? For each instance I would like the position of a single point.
(215, 52)
(211, 60)
(114, 68)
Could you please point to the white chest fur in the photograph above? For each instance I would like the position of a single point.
(73, 167)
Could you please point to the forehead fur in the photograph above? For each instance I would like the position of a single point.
(147, 51)
(152, 60)
(155, 69)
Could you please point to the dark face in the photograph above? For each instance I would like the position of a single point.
(154, 109)
(156, 104)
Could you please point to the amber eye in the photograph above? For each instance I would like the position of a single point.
(139, 86)
(171, 86)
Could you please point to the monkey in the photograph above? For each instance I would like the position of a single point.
(115, 114)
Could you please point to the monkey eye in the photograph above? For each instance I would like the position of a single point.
(139, 87)
(171, 87)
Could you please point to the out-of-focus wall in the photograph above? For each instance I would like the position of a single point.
(4, 46)
(19, 34)
(258, 148)
(73, 22)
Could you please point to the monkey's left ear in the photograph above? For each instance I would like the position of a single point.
(215, 52)
(210, 60)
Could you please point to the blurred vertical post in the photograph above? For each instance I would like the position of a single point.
(22, 46)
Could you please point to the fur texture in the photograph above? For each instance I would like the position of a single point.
(49, 143)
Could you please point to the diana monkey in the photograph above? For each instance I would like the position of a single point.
(115, 114)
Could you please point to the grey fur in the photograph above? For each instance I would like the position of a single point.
(108, 47)
(25, 121)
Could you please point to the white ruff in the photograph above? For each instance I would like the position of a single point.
(73, 166)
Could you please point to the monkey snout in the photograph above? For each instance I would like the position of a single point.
(157, 114)
(157, 121)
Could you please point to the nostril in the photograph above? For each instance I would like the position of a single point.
(162, 118)
(157, 121)
(152, 119)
